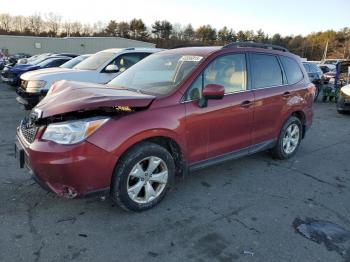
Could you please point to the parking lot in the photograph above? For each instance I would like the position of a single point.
(242, 210)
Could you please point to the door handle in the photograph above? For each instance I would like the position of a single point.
(286, 94)
(246, 104)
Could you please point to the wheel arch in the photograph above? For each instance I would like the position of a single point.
(166, 140)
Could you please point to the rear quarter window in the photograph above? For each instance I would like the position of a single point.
(292, 70)
(266, 71)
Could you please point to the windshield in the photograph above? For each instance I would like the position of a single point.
(94, 61)
(158, 74)
(73, 62)
(39, 60)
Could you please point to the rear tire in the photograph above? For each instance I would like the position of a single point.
(289, 139)
(142, 177)
(341, 111)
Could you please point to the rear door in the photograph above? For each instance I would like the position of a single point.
(271, 93)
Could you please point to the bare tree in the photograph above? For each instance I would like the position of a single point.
(87, 30)
(5, 22)
(77, 28)
(67, 28)
(35, 24)
(53, 23)
(19, 23)
(98, 27)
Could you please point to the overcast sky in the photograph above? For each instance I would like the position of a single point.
(285, 17)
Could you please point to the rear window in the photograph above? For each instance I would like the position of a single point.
(266, 71)
(307, 67)
(292, 70)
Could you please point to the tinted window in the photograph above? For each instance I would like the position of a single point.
(125, 61)
(292, 70)
(315, 68)
(266, 71)
(57, 63)
(324, 69)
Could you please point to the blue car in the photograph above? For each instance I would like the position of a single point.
(11, 75)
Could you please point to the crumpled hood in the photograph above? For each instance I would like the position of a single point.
(77, 96)
(37, 73)
(55, 75)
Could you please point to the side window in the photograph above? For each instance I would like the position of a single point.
(57, 63)
(229, 71)
(292, 69)
(266, 71)
(195, 90)
(315, 68)
(307, 67)
(126, 60)
(144, 55)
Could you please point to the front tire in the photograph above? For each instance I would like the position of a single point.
(289, 139)
(142, 177)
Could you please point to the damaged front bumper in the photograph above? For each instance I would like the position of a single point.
(69, 171)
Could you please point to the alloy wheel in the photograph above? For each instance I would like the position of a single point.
(147, 180)
(291, 139)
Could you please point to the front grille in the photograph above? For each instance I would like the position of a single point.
(8, 74)
(28, 129)
(5, 74)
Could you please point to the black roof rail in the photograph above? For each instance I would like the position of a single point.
(257, 45)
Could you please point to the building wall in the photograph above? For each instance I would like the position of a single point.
(78, 45)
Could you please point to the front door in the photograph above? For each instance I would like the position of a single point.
(225, 125)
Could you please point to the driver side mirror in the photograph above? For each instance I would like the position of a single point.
(211, 91)
(112, 69)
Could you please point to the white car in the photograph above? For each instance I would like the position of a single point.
(99, 68)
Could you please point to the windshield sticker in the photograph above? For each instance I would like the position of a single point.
(191, 58)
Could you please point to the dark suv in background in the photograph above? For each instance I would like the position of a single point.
(315, 74)
(175, 111)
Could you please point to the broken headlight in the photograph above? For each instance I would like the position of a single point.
(72, 132)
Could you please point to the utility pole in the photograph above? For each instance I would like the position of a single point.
(325, 52)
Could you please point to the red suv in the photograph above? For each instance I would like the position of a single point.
(175, 111)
